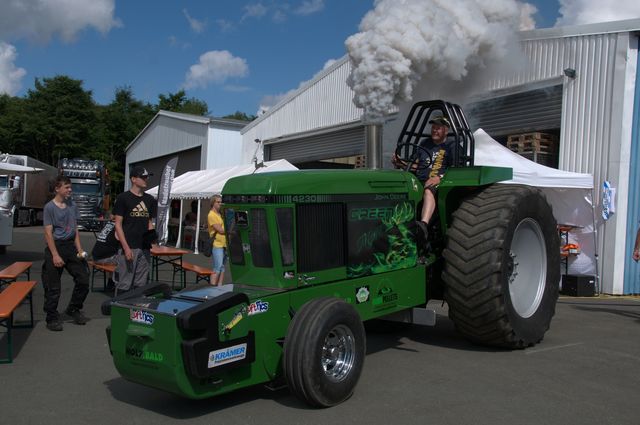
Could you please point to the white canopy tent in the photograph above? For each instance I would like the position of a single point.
(7, 168)
(203, 184)
(570, 195)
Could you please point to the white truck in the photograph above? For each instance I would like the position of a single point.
(24, 189)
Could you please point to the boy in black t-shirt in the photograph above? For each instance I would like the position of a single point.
(134, 211)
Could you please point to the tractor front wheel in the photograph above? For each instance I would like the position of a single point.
(502, 266)
(324, 352)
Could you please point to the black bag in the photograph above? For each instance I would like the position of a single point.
(204, 244)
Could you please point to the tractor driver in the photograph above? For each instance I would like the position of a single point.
(441, 158)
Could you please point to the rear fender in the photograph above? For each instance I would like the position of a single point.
(460, 182)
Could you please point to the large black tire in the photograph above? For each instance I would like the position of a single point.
(324, 352)
(502, 266)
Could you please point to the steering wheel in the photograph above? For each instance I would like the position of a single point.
(409, 160)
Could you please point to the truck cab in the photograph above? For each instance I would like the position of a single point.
(91, 190)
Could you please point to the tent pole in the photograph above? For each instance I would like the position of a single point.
(195, 243)
(595, 242)
(180, 225)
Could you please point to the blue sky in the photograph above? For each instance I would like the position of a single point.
(233, 54)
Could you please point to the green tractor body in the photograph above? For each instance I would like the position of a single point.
(314, 254)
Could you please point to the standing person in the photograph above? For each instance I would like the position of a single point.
(63, 251)
(219, 240)
(133, 212)
(441, 158)
(636, 248)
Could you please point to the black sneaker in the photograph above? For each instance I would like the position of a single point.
(77, 316)
(54, 325)
(424, 231)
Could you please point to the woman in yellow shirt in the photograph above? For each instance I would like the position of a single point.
(218, 238)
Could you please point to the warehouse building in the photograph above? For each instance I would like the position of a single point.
(200, 143)
(581, 87)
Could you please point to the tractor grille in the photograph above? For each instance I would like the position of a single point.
(321, 237)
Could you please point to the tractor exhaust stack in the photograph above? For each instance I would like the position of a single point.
(373, 146)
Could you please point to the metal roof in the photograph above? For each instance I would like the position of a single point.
(191, 118)
(629, 25)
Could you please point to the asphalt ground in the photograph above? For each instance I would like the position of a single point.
(586, 371)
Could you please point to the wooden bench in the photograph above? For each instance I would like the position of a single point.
(10, 298)
(10, 274)
(202, 273)
(107, 269)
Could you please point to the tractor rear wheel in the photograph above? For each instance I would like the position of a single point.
(502, 266)
(324, 352)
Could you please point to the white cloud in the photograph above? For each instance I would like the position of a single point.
(255, 10)
(577, 12)
(216, 67)
(269, 101)
(309, 7)
(175, 42)
(196, 25)
(10, 75)
(224, 25)
(279, 16)
(236, 89)
(43, 19)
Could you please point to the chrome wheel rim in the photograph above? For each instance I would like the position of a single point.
(338, 353)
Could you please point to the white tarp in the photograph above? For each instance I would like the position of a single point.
(203, 184)
(570, 195)
(7, 168)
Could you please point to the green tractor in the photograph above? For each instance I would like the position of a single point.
(315, 254)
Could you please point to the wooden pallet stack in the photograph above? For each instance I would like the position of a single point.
(537, 147)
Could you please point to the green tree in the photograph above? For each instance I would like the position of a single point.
(241, 116)
(178, 102)
(117, 124)
(12, 115)
(59, 117)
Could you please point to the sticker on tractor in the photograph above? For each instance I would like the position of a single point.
(227, 355)
(257, 307)
(141, 316)
(362, 294)
(138, 354)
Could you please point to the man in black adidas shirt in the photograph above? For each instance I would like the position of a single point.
(134, 211)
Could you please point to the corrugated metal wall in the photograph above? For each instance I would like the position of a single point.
(166, 135)
(324, 102)
(632, 268)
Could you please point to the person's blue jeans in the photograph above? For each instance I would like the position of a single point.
(219, 256)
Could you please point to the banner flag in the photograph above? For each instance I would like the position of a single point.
(164, 190)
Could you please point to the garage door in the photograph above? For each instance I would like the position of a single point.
(337, 144)
(535, 110)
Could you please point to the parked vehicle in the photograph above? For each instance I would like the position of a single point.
(91, 190)
(316, 253)
(28, 192)
(24, 189)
